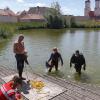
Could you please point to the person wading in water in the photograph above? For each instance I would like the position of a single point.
(54, 59)
(20, 55)
(78, 60)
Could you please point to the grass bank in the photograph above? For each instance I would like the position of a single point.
(88, 24)
(8, 29)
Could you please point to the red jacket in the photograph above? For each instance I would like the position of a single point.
(7, 92)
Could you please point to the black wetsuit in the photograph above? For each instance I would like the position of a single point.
(20, 58)
(54, 58)
(78, 61)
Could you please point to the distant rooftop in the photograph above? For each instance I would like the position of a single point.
(32, 16)
(7, 12)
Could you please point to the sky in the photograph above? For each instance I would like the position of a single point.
(70, 7)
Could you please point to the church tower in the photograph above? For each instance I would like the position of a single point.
(97, 7)
(87, 8)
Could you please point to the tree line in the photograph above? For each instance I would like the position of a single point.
(55, 19)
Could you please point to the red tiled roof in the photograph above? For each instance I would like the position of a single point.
(7, 12)
(21, 13)
(10, 12)
(32, 16)
(2, 12)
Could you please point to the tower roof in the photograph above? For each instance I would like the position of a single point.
(87, 1)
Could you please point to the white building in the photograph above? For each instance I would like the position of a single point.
(97, 8)
(87, 10)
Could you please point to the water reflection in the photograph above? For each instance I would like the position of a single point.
(56, 74)
(39, 44)
(84, 78)
(72, 31)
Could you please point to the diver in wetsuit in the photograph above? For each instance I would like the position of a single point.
(54, 59)
(78, 60)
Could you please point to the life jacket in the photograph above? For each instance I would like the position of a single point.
(6, 91)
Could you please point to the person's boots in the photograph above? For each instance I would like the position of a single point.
(79, 72)
(50, 70)
(20, 75)
(56, 68)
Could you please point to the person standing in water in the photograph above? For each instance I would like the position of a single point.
(54, 59)
(78, 60)
(20, 54)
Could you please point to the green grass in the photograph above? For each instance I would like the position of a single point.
(30, 25)
(5, 32)
(8, 29)
(14, 26)
(90, 24)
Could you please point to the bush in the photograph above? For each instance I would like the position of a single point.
(73, 23)
(4, 33)
(55, 22)
(55, 19)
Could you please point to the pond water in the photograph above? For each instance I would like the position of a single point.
(39, 44)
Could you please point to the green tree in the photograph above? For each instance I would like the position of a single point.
(65, 23)
(55, 18)
(56, 9)
(73, 22)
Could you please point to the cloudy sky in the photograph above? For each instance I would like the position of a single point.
(75, 7)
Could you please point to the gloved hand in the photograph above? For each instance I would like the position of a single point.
(26, 61)
(84, 67)
(70, 65)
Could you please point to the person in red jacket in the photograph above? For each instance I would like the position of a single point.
(8, 90)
